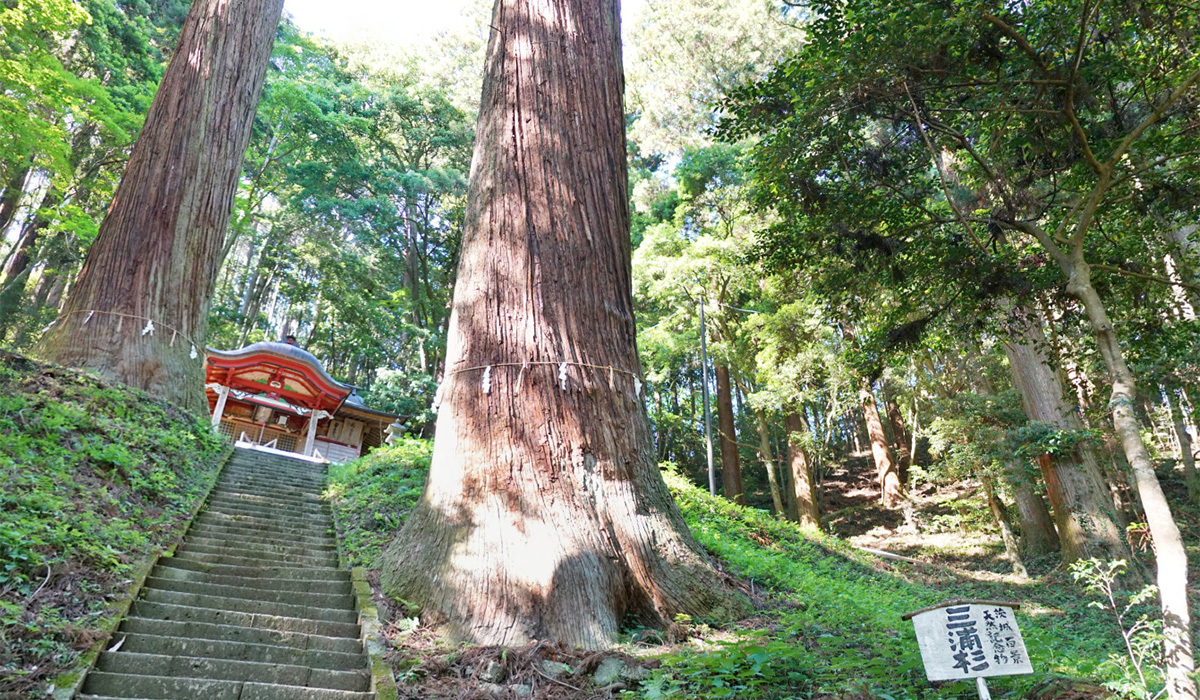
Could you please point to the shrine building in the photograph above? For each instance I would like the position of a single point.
(277, 396)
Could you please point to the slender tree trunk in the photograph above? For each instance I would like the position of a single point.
(887, 471)
(545, 515)
(1000, 515)
(1187, 457)
(1170, 554)
(10, 200)
(731, 466)
(768, 458)
(16, 274)
(155, 258)
(901, 439)
(803, 506)
(1088, 523)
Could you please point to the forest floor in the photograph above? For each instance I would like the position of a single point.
(828, 613)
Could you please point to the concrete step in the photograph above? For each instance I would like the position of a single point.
(333, 601)
(118, 685)
(288, 572)
(202, 558)
(270, 584)
(251, 607)
(281, 526)
(124, 662)
(273, 506)
(233, 650)
(274, 484)
(281, 518)
(267, 557)
(257, 607)
(174, 612)
(245, 635)
(258, 543)
(236, 531)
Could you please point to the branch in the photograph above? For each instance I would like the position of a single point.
(1069, 104)
(1022, 43)
(1152, 118)
(941, 171)
(1144, 276)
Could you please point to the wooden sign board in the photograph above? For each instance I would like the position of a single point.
(969, 639)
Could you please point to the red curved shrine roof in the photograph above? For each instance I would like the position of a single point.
(277, 369)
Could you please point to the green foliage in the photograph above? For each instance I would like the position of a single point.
(371, 496)
(403, 394)
(1139, 670)
(95, 478)
(836, 626)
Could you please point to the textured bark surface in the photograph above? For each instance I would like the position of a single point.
(803, 505)
(545, 516)
(155, 256)
(731, 464)
(1088, 523)
(887, 470)
(1039, 535)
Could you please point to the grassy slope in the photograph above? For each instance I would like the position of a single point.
(93, 477)
(830, 622)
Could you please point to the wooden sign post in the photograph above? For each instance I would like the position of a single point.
(963, 639)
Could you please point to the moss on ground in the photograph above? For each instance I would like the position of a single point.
(94, 477)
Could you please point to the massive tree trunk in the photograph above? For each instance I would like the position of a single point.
(1169, 552)
(731, 465)
(545, 515)
(887, 471)
(1088, 523)
(803, 505)
(154, 260)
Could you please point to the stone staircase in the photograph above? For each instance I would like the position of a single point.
(252, 606)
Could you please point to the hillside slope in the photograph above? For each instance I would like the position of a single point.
(93, 478)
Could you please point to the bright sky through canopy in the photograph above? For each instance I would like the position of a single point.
(398, 21)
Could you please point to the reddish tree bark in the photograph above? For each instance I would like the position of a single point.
(731, 465)
(1088, 523)
(887, 470)
(545, 515)
(155, 257)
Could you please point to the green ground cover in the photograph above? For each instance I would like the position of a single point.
(829, 623)
(93, 478)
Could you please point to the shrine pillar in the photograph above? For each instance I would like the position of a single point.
(311, 440)
(219, 409)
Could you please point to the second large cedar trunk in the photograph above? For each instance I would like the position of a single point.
(139, 310)
(545, 516)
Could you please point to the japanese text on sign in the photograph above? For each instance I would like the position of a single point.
(970, 640)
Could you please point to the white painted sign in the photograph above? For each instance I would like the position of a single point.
(970, 640)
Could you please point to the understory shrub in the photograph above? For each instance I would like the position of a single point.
(372, 495)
